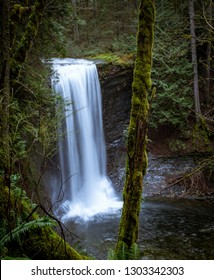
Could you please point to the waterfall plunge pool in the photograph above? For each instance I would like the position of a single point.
(169, 229)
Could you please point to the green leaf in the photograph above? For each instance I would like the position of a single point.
(24, 227)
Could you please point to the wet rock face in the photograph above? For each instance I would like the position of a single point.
(116, 85)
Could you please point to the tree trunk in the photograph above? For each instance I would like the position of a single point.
(137, 135)
(194, 59)
(94, 8)
(46, 244)
(1, 37)
(209, 57)
(5, 93)
(28, 38)
(76, 27)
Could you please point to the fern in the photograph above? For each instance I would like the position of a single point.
(120, 254)
(134, 252)
(3, 231)
(124, 253)
(112, 255)
(24, 227)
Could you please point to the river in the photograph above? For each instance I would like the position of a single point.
(170, 228)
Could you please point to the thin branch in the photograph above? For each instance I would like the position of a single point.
(207, 22)
(202, 166)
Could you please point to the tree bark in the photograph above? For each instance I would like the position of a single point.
(5, 93)
(209, 57)
(76, 27)
(137, 134)
(194, 59)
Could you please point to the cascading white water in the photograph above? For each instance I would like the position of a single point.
(85, 189)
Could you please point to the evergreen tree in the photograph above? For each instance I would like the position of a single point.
(172, 69)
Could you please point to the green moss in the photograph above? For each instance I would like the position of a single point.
(114, 59)
(15, 205)
(46, 244)
(18, 11)
(137, 134)
(201, 136)
(39, 243)
(28, 37)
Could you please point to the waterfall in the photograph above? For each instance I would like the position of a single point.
(84, 190)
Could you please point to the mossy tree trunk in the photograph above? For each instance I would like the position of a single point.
(5, 94)
(36, 243)
(29, 35)
(137, 134)
(12, 59)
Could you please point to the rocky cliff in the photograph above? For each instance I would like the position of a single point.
(116, 85)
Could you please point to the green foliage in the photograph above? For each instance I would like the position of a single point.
(176, 145)
(124, 253)
(35, 113)
(101, 26)
(15, 205)
(22, 231)
(201, 137)
(32, 119)
(172, 70)
(15, 208)
(112, 58)
(124, 44)
(19, 231)
(134, 252)
(54, 38)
